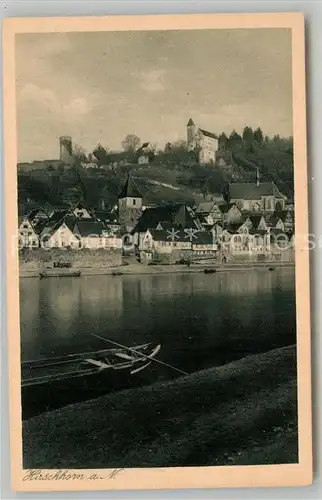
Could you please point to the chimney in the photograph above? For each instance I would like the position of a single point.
(257, 177)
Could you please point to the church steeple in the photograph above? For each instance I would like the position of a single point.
(190, 122)
(129, 204)
(130, 189)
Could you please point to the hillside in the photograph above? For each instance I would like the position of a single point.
(170, 177)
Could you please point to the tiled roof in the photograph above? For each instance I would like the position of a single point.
(182, 236)
(252, 191)
(208, 134)
(174, 214)
(203, 238)
(88, 227)
(179, 235)
(130, 190)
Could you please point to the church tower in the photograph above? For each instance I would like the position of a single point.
(191, 133)
(129, 205)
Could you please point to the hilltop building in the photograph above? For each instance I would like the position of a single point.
(204, 143)
(65, 149)
(129, 205)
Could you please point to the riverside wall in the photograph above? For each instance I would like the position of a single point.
(40, 259)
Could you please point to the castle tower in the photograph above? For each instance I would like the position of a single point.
(65, 148)
(191, 133)
(129, 204)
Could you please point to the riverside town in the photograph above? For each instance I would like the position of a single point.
(240, 221)
(156, 244)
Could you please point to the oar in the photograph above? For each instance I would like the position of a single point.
(139, 353)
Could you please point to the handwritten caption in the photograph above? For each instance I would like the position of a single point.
(66, 475)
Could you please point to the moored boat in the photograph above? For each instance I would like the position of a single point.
(209, 271)
(54, 273)
(51, 383)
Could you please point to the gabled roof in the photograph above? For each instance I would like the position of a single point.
(252, 191)
(89, 227)
(208, 134)
(282, 214)
(130, 190)
(105, 216)
(204, 207)
(51, 227)
(233, 228)
(33, 213)
(182, 236)
(255, 219)
(178, 235)
(58, 215)
(203, 238)
(273, 220)
(226, 207)
(177, 215)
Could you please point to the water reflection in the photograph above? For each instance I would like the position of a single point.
(201, 320)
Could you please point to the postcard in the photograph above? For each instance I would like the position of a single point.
(157, 252)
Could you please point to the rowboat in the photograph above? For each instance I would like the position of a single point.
(51, 383)
(62, 273)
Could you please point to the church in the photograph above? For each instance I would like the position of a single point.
(203, 142)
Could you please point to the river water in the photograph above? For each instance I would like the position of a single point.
(200, 320)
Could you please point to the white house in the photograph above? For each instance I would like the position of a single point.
(28, 237)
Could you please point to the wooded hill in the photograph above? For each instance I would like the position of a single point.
(173, 175)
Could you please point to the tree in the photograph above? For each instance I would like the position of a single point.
(168, 147)
(258, 135)
(222, 140)
(131, 142)
(180, 144)
(248, 135)
(234, 139)
(79, 153)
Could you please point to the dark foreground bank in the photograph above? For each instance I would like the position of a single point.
(238, 414)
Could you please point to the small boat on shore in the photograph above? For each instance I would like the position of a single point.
(59, 274)
(79, 366)
(51, 383)
(209, 271)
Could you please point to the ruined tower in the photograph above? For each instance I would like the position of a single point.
(65, 148)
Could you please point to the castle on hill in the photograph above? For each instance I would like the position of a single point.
(204, 143)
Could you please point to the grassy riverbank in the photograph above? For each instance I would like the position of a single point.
(138, 269)
(238, 414)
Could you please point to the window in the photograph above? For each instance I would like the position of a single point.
(134, 202)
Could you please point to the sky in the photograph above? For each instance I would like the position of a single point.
(99, 86)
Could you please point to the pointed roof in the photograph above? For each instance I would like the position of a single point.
(190, 122)
(130, 189)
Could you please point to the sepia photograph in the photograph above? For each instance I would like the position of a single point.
(156, 249)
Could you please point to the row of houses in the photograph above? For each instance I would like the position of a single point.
(76, 227)
(220, 225)
(212, 228)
